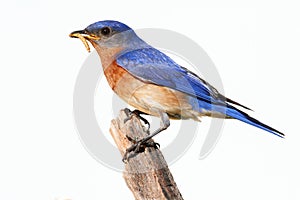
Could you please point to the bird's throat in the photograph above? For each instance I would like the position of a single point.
(107, 55)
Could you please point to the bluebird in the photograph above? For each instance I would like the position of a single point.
(153, 83)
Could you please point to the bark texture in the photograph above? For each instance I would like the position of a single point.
(146, 173)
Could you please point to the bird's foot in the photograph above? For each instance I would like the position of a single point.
(137, 114)
(138, 147)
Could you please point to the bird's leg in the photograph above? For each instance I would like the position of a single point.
(136, 147)
(138, 114)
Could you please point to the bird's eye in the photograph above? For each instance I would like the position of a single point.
(105, 31)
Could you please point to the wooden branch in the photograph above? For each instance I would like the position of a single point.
(147, 174)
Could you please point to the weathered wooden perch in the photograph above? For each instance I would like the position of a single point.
(147, 174)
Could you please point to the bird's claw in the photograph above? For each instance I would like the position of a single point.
(138, 147)
(135, 148)
(137, 114)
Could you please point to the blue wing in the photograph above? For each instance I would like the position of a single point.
(152, 66)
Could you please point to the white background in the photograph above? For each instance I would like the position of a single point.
(255, 47)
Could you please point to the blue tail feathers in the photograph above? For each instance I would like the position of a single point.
(244, 117)
(230, 111)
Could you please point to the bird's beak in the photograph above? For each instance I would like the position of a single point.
(75, 33)
(83, 35)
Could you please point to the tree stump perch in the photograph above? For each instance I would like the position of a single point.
(146, 173)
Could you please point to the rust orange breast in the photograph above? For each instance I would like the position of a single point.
(114, 74)
(122, 82)
(146, 96)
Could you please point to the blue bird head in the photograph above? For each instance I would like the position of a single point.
(107, 27)
(109, 34)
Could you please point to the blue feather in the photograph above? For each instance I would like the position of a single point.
(232, 112)
(115, 25)
(244, 117)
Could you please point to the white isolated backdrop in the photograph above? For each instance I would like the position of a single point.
(254, 45)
